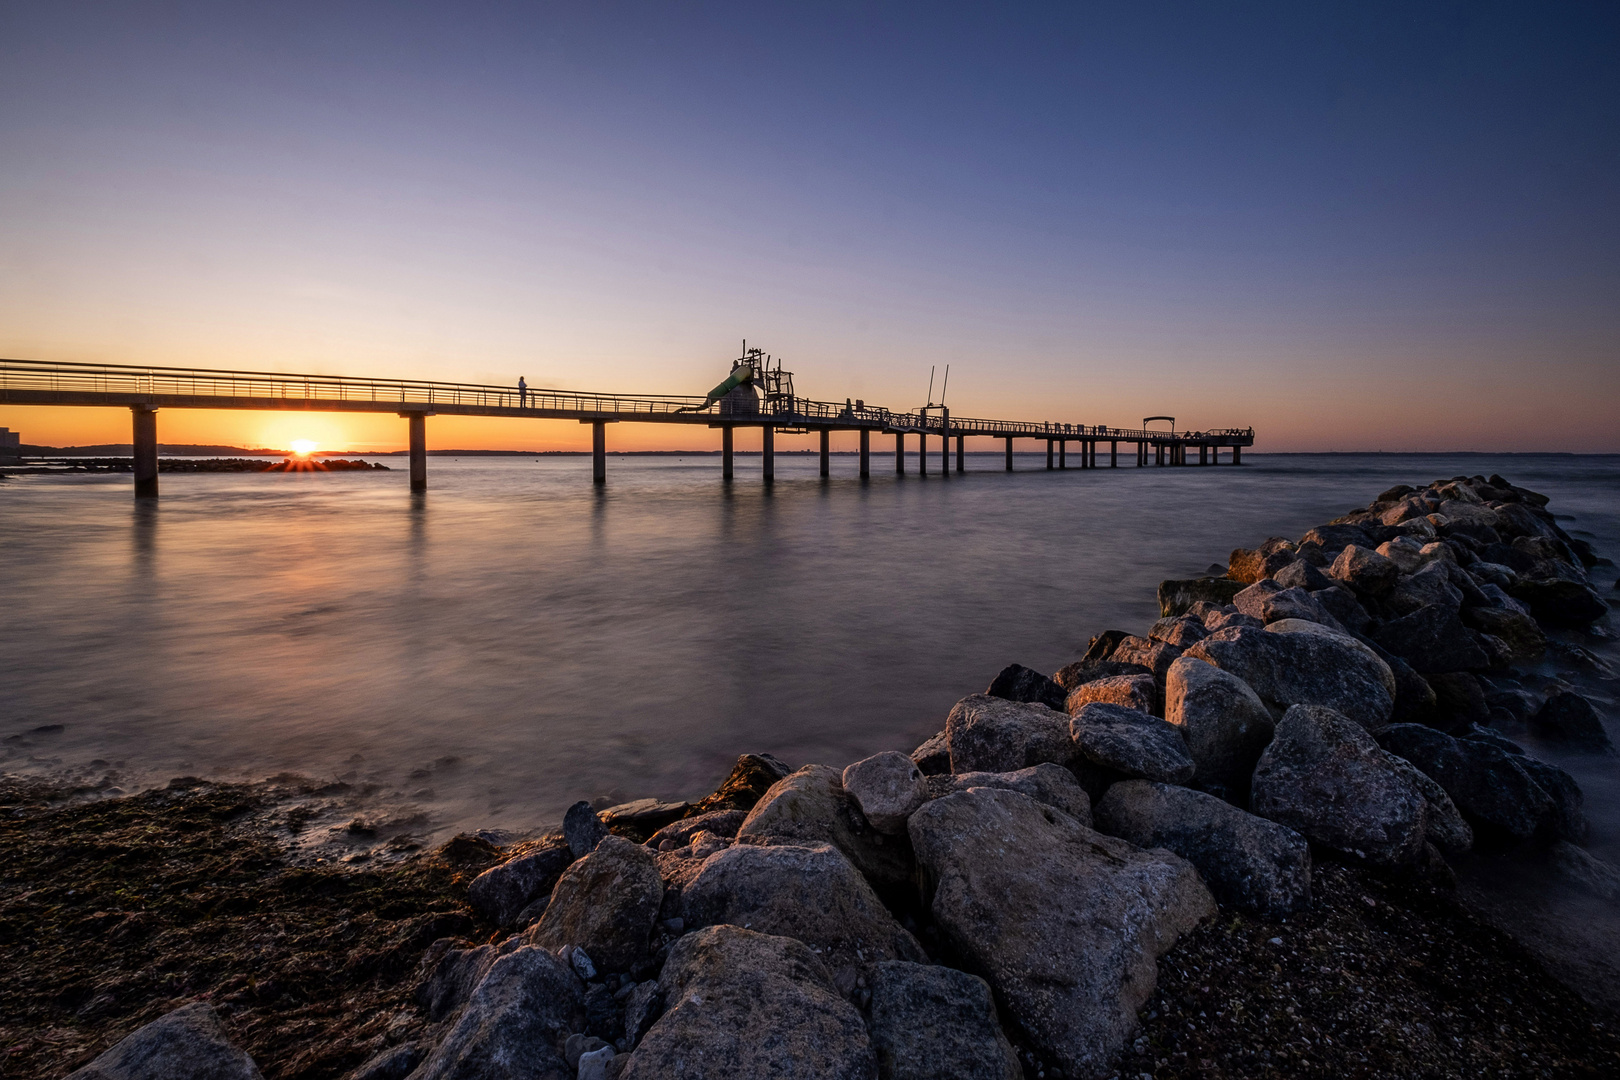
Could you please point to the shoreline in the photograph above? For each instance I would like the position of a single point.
(1389, 921)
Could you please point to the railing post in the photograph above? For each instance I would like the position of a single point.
(866, 453)
(727, 470)
(146, 452)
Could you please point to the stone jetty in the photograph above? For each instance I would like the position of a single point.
(996, 903)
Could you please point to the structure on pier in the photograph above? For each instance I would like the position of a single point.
(757, 393)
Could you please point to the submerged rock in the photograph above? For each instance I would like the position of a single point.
(935, 1023)
(188, 1042)
(742, 1005)
(1569, 718)
(1248, 862)
(1066, 924)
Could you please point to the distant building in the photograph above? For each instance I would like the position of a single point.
(10, 443)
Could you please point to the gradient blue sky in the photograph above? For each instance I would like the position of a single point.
(1354, 226)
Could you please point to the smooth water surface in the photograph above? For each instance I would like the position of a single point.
(514, 640)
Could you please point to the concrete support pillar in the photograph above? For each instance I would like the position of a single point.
(922, 453)
(945, 442)
(598, 452)
(767, 449)
(1237, 455)
(960, 454)
(728, 465)
(1009, 453)
(826, 452)
(1063, 453)
(1048, 453)
(866, 453)
(899, 453)
(1113, 453)
(146, 470)
(418, 425)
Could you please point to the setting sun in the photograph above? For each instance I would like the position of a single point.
(304, 447)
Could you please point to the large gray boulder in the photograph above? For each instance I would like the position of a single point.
(1324, 776)
(1268, 602)
(740, 1005)
(1065, 924)
(1045, 783)
(812, 894)
(1131, 743)
(454, 978)
(1293, 662)
(810, 807)
(1569, 719)
(186, 1044)
(936, 1023)
(514, 1025)
(501, 892)
(1433, 639)
(1429, 585)
(606, 903)
(1131, 691)
(1156, 656)
(1249, 863)
(1015, 682)
(1490, 786)
(1223, 721)
(1366, 572)
(887, 787)
(988, 734)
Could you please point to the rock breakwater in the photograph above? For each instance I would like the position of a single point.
(1218, 847)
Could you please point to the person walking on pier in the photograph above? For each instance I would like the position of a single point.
(523, 393)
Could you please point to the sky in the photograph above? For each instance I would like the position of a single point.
(1352, 226)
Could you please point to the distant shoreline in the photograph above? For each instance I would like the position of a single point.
(206, 450)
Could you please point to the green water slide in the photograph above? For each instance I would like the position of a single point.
(741, 375)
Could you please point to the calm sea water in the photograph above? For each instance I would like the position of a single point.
(515, 640)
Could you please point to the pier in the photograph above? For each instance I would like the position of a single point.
(762, 397)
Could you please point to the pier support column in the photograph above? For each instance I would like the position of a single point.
(598, 452)
(1237, 455)
(960, 453)
(418, 445)
(945, 442)
(866, 453)
(767, 450)
(826, 452)
(1063, 453)
(899, 453)
(1009, 453)
(922, 453)
(1113, 454)
(146, 470)
(1203, 455)
(727, 453)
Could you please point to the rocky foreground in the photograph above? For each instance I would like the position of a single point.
(1216, 849)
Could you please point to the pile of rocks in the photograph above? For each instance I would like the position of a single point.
(1015, 879)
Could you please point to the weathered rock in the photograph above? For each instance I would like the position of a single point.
(1227, 617)
(812, 894)
(1084, 671)
(742, 1005)
(1269, 602)
(1156, 656)
(934, 1023)
(887, 787)
(583, 829)
(594, 1064)
(989, 734)
(1490, 787)
(514, 1024)
(1289, 664)
(1223, 721)
(1019, 683)
(1404, 551)
(811, 807)
(1300, 574)
(1131, 743)
(1181, 630)
(719, 822)
(1131, 691)
(750, 778)
(394, 1063)
(1175, 597)
(501, 892)
(640, 818)
(1248, 862)
(1560, 603)
(1446, 828)
(1066, 924)
(1569, 719)
(1429, 585)
(1520, 631)
(1585, 871)
(1432, 639)
(606, 903)
(1342, 604)
(181, 1045)
(1103, 644)
(1335, 538)
(1257, 565)
(1325, 777)
(454, 978)
(1366, 572)
(933, 757)
(1568, 820)
(578, 1045)
(1458, 701)
(1045, 783)
(642, 1008)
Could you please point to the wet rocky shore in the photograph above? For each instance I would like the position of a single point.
(1222, 845)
